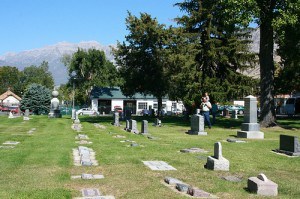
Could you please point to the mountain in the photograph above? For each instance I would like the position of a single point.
(52, 54)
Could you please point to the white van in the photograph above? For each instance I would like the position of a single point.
(292, 106)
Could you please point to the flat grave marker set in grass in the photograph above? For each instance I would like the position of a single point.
(158, 165)
(188, 190)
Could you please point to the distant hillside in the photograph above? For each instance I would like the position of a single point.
(52, 54)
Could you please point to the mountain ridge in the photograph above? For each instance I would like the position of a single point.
(52, 54)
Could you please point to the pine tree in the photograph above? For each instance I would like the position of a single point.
(36, 98)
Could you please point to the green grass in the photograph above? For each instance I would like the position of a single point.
(41, 165)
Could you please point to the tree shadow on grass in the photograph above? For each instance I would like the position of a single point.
(289, 122)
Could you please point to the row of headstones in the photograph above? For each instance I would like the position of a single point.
(84, 156)
(131, 126)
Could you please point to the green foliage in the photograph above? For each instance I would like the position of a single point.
(92, 69)
(143, 57)
(216, 50)
(38, 75)
(10, 78)
(36, 98)
(288, 39)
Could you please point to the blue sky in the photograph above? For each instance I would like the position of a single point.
(29, 24)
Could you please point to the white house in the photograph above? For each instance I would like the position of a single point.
(9, 99)
(106, 99)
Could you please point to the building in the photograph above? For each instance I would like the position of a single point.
(9, 99)
(106, 100)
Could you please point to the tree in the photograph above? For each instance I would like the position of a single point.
(36, 98)
(10, 77)
(219, 49)
(288, 38)
(39, 75)
(142, 58)
(91, 69)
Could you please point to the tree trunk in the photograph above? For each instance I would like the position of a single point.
(159, 105)
(267, 115)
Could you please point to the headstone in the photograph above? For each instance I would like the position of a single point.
(261, 185)
(193, 150)
(127, 125)
(130, 126)
(182, 187)
(234, 114)
(158, 165)
(289, 145)
(26, 114)
(235, 140)
(198, 193)
(144, 127)
(10, 116)
(157, 122)
(250, 128)
(54, 107)
(172, 181)
(134, 127)
(217, 162)
(232, 178)
(226, 113)
(90, 192)
(197, 125)
(116, 119)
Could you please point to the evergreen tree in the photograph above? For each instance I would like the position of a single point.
(36, 98)
(220, 49)
(142, 58)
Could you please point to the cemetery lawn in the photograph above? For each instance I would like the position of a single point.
(41, 165)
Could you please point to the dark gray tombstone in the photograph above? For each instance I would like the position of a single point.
(289, 145)
(144, 127)
(250, 128)
(197, 125)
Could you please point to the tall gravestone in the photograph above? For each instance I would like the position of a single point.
(116, 119)
(26, 115)
(250, 128)
(144, 127)
(134, 127)
(197, 125)
(54, 108)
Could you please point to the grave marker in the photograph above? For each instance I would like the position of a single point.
(261, 185)
(144, 127)
(250, 128)
(197, 125)
(289, 145)
(217, 162)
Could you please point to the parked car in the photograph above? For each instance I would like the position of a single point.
(176, 111)
(292, 106)
(240, 109)
(4, 109)
(145, 112)
(87, 111)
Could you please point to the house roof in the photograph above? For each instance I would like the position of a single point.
(7, 94)
(115, 93)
